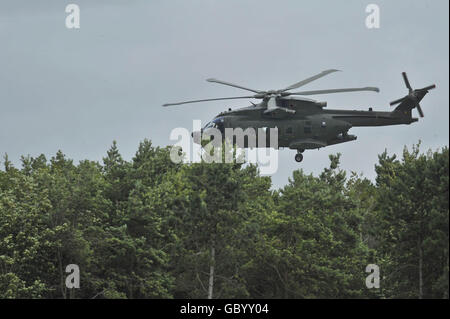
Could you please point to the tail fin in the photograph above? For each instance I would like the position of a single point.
(403, 110)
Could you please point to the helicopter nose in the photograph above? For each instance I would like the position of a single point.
(197, 132)
(196, 136)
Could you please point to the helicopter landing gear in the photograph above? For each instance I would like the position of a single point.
(299, 157)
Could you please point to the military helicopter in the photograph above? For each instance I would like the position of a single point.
(304, 123)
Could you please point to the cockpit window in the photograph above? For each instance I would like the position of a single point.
(217, 123)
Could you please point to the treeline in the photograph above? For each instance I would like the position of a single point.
(150, 228)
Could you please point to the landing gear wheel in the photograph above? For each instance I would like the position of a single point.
(298, 157)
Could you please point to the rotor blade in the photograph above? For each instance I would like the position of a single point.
(308, 80)
(430, 87)
(233, 85)
(398, 101)
(419, 109)
(206, 100)
(369, 88)
(405, 78)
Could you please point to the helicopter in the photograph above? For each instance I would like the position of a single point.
(305, 124)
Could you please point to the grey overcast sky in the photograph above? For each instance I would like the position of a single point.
(78, 90)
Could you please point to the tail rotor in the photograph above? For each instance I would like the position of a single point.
(414, 96)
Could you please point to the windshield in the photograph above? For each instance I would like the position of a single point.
(216, 123)
(208, 125)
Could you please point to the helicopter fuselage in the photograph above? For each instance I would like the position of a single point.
(310, 127)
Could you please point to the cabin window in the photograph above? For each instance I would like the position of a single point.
(307, 127)
(324, 124)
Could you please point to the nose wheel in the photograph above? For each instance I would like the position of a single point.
(298, 157)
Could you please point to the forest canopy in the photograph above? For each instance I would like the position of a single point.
(150, 228)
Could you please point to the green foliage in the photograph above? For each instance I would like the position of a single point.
(311, 247)
(150, 228)
(412, 223)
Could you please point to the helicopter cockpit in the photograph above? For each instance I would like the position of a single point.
(216, 123)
